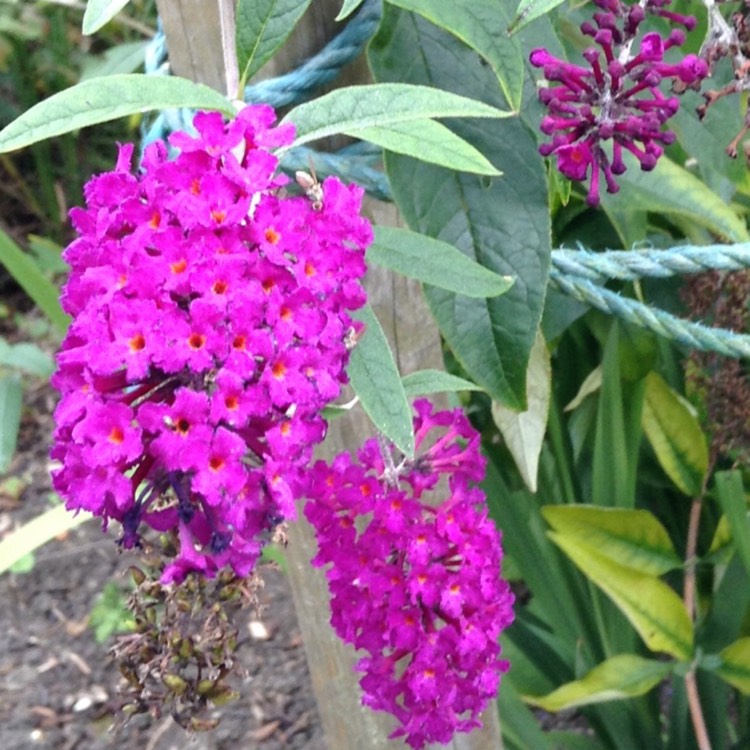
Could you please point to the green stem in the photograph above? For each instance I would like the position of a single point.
(691, 549)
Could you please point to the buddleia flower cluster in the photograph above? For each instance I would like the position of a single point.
(615, 95)
(210, 328)
(415, 583)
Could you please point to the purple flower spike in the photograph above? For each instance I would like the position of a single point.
(616, 97)
(210, 328)
(414, 585)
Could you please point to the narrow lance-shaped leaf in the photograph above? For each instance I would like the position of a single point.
(632, 538)
(125, 58)
(26, 357)
(612, 464)
(262, 27)
(675, 435)
(590, 385)
(27, 274)
(355, 108)
(480, 24)
(100, 100)
(37, 532)
(100, 12)
(11, 395)
(652, 607)
(375, 378)
(731, 493)
(429, 141)
(424, 382)
(434, 262)
(622, 676)
(523, 432)
(348, 8)
(671, 189)
(529, 10)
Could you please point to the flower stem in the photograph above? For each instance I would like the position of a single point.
(691, 686)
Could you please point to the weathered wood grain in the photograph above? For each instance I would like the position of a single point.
(198, 46)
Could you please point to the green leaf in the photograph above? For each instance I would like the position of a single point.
(374, 376)
(721, 549)
(529, 10)
(618, 434)
(124, 58)
(480, 24)
(100, 12)
(11, 397)
(434, 262)
(47, 254)
(37, 532)
(652, 607)
(503, 224)
(27, 357)
(632, 538)
(521, 730)
(356, 108)
(40, 289)
(424, 382)
(429, 141)
(262, 27)
(348, 8)
(97, 100)
(735, 665)
(523, 432)
(675, 435)
(671, 189)
(559, 596)
(731, 493)
(622, 676)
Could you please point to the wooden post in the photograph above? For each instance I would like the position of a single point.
(199, 45)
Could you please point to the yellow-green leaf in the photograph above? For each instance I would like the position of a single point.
(632, 538)
(590, 385)
(622, 676)
(672, 189)
(652, 607)
(735, 665)
(37, 532)
(675, 435)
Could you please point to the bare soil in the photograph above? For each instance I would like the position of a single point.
(59, 687)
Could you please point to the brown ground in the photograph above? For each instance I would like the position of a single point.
(58, 686)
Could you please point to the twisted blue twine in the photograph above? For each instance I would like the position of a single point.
(628, 265)
(573, 271)
(282, 91)
(685, 332)
(324, 66)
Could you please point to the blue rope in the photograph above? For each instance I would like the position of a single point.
(282, 91)
(323, 67)
(684, 332)
(628, 265)
(573, 271)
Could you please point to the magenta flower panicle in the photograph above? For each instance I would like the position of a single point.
(415, 586)
(210, 323)
(615, 97)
